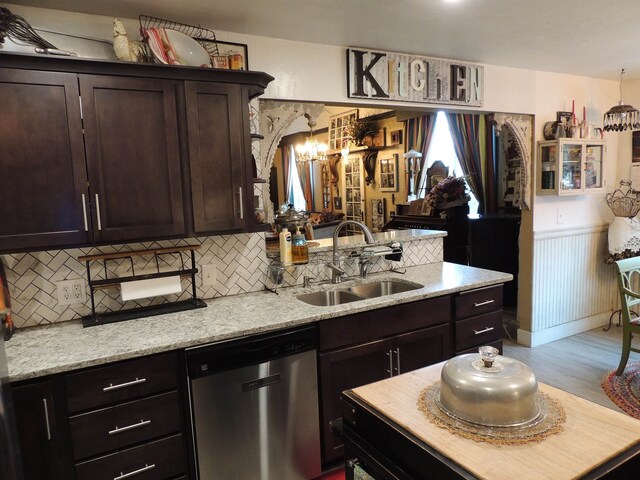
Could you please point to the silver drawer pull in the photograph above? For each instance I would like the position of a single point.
(484, 330)
(486, 302)
(141, 423)
(123, 385)
(46, 417)
(146, 468)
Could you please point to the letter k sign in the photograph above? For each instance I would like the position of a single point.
(360, 73)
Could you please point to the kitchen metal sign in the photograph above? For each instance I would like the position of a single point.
(379, 75)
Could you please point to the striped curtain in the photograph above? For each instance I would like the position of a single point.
(468, 134)
(418, 133)
(492, 155)
(304, 174)
(287, 155)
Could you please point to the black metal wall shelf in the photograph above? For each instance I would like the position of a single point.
(188, 270)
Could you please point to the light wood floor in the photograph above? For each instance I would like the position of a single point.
(576, 364)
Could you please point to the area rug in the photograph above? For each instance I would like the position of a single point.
(624, 390)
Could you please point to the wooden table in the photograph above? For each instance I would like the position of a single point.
(386, 435)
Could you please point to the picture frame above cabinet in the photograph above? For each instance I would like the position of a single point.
(570, 166)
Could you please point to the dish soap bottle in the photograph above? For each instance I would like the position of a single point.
(299, 248)
(285, 246)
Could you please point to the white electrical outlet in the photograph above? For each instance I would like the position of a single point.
(71, 291)
(560, 217)
(209, 274)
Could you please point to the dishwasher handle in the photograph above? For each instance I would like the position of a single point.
(261, 382)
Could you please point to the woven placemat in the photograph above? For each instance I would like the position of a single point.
(549, 421)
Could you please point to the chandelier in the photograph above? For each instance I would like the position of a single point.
(621, 117)
(312, 150)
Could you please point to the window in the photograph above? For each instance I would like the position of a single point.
(296, 196)
(441, 148)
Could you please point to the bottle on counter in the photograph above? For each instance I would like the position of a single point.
(285, 246)
(299, 248)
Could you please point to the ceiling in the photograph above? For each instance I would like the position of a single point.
(593, 38)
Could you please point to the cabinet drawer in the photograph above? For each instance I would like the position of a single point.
(153, 461)
(479, 330)
(121, 381)
(125, 424)
(383, 322)
(478, 301)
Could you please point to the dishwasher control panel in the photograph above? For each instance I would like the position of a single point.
(222, 356)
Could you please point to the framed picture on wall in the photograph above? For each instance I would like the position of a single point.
(236, 53)
(338, 133)
(389, 173)
(395, 137)
(378, 214)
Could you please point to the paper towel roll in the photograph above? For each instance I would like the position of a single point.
(150, 288)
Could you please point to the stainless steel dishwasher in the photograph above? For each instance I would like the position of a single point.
(254, 408)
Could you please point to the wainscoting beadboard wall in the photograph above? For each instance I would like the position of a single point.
(241, 267)
(574, 289)
(240, 260)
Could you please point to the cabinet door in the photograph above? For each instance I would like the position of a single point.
(419, 349)
(571, 157)
(217, 156)
(133, 160)
(42, 431)
(42, 163)
(341, 370)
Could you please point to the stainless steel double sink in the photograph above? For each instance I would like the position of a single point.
(327, 298)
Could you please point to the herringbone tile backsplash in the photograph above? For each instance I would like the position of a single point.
(241, 267)
(240, 262)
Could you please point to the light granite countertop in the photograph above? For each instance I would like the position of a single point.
(61, 347)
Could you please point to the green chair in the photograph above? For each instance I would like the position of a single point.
(629, 286)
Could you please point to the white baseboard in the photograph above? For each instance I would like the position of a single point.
(533, 339)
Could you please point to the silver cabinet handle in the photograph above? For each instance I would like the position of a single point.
(390, 370)
(397, 352)
(241, 203)
(484, 330)
(46, 417)
(123, 385)
(146, 468)
(98, 211)
(84, 213)
(486, 302)
(141, 423)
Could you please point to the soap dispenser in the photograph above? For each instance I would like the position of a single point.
(299, 248)
(285, 246)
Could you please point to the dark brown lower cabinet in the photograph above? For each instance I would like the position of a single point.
(357, 365)
(42, 430)
(155, 460)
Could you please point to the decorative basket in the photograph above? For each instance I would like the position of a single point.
(624, 201)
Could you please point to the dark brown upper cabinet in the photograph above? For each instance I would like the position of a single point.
(111, 152)
(217, 156)
(43, 193)
(133, 157)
